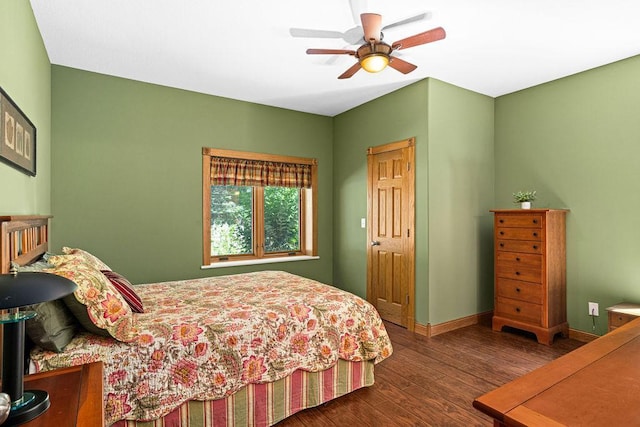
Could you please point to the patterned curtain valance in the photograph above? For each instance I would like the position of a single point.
(258, 173)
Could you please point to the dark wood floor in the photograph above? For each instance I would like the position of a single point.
(433, 381)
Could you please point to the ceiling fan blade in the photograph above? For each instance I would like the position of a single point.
(401, 65)
(319, 34)
(420, 17)
(353, 35)
(351, 71)
(330, 52)
(422, 38)
(371, 24)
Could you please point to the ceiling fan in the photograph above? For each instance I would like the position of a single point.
(354, 35)
(374, 55)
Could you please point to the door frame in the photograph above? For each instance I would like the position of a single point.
(409, 280)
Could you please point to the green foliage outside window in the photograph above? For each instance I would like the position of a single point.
(232, 220)
(281, 219)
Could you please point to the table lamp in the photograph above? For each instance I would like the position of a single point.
(19, 290)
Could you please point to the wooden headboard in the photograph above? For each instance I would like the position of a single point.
(23, 239)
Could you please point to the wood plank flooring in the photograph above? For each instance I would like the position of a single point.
(433, 381)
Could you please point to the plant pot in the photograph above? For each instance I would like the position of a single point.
(525, 205)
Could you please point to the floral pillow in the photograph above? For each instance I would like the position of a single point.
(90, 259)
(67, 260)
(96, 304)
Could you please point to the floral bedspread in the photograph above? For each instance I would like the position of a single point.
(206, 338)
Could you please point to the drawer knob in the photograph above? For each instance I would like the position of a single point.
(535, 221)
(517, 273)
(501, 221)
(517, 258)
(535, 247)
(518, 290)
(518, 309)
(535, 234)
(502, 245)
(502, 233)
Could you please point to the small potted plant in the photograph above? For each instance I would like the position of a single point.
(524, 198)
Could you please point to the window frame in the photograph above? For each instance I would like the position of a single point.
(308, 208)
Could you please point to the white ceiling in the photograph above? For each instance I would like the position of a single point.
(242, 49)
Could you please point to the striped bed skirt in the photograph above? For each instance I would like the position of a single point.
(266, 404)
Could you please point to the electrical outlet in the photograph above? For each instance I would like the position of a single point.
(593, 309)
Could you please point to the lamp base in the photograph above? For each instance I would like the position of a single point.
(38, 403)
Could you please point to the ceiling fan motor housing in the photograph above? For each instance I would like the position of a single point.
(379, 48)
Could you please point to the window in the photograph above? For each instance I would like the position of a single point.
(257, 206)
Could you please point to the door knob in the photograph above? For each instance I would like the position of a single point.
(375, 243)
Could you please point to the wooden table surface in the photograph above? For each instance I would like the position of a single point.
(597, 384)
(75, 394)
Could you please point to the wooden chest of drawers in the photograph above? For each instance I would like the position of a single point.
(530, 272)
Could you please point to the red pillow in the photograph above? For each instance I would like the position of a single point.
(126, 290)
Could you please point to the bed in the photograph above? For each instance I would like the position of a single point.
(247, 349)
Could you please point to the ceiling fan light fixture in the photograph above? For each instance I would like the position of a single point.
(375, 62)
(374, 57)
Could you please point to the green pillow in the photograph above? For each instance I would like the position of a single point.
(53, 327)
(37, 266)
(79, 312)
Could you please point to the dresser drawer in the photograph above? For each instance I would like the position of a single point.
(534, 234)
(519, 310)
(519, 246)
(515, 259)
(531, 221)
(619, 319)
(516, 289)
(622, 313)
(516, 272)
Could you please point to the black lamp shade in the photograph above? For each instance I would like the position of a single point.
(31, 288)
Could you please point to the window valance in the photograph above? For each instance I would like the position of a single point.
(260, 173)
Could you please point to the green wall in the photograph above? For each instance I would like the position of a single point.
(454, 191)
(25, 76)
(126, 182)
(576, 141)
(461, 192)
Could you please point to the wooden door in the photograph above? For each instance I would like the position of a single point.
(391, 216)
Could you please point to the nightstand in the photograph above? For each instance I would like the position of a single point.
(75, 394)
(622, 313)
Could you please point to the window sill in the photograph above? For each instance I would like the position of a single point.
(258, 261)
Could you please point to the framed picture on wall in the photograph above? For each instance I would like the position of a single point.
(17, 136)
